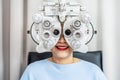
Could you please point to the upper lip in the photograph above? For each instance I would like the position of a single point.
(62, 45)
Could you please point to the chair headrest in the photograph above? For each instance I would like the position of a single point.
(92, 56)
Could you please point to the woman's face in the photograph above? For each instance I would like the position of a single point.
(62, 49)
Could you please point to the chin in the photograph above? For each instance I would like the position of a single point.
(62, 53)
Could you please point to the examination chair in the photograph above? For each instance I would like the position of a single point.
(92, 56)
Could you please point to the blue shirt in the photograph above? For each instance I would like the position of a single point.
(47, 70)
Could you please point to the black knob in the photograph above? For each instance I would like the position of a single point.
(28, 32)
(95, 32)
(68, 32)
(56, 32)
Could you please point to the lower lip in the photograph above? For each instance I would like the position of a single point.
(62, 49)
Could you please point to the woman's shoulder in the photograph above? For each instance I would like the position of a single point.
(37, 64)
(35, 68)
(90, 66)
(93, 70)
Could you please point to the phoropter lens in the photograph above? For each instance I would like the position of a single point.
(56, 32)
(46, 35)
(68, 32)
(77, 35)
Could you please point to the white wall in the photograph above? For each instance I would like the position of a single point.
(110, 39)
(16, 38)
(1, 51)
(118, 36)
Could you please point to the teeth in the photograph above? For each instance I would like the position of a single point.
(62, 47)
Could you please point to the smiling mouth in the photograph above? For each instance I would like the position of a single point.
(62, 48)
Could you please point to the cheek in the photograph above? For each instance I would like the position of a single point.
(70, 50)
(54, 51)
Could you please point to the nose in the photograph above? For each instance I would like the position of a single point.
(62, 39)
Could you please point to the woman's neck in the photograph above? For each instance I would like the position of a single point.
(69, 60)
